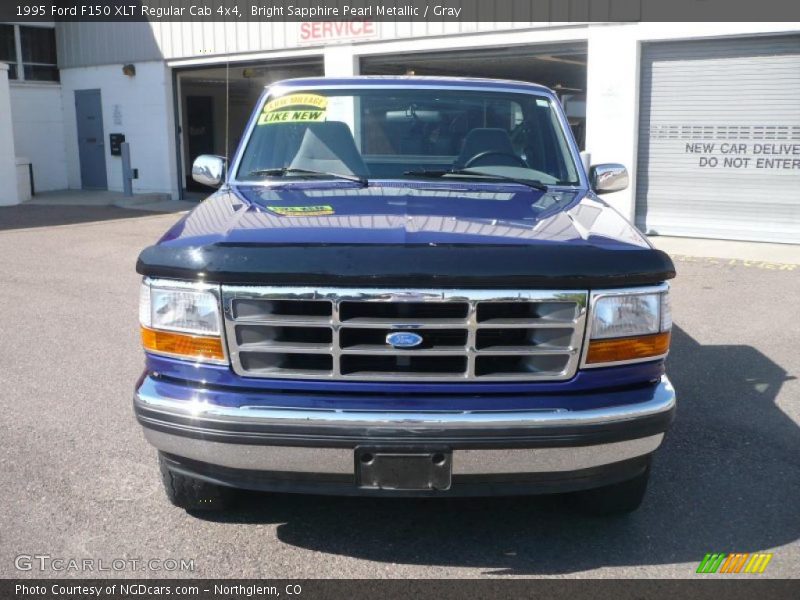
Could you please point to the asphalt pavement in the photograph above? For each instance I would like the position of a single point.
(80, 482)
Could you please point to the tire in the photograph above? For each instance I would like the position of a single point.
(615, 499)
(193, 494)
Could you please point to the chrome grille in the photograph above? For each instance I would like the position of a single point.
(467, 335)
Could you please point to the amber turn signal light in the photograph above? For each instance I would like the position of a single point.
(629, 348)
(183, 345)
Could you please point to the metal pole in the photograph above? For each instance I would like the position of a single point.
(586, 159)
(127, 173)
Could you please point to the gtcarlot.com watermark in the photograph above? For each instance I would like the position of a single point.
(60, 564)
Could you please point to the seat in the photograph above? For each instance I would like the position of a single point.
(329, 146)
(487, 139)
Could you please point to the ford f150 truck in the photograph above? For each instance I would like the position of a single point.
(405, 286)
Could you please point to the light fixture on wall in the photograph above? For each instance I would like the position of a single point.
(129, 70)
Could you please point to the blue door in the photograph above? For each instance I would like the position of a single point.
(91, 139)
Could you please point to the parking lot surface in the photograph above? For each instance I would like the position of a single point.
(80, 481)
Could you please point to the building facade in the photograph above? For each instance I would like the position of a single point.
(706, 116)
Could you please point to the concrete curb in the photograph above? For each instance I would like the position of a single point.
(152, 202)
(787, 254)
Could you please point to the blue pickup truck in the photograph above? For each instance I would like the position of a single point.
(405, 286)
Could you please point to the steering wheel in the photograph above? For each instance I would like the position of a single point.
(486, 153)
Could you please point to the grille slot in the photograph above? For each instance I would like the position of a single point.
(274, 363)
(395, 312)
(405, 365)
(467, 335)
(282, 309)
(524, 339)
(358, 338)
(272, 336)
(526, 312)
(542, 364)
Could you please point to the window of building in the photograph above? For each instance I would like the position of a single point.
(8, 49)
(39, 53)
(30, 52)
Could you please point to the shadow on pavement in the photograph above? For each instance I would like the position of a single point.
(32, 215)
(727, 479)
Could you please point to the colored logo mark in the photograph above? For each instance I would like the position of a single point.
(403, 339)
(738, 562)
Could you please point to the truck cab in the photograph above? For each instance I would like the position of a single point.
(405, 286)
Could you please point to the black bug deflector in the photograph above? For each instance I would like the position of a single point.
(486, 266)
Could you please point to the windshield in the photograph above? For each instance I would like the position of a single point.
(409, 133)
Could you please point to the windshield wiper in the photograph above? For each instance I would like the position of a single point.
(284, 171)
(532, 183)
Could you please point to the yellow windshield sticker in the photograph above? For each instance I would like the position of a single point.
(302, 211)
(294, 108)
(292, 116)
(296, 100)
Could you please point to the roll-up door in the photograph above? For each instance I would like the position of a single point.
(719, 139)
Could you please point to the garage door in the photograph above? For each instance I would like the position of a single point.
(719, 139)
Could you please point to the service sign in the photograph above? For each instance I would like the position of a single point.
(325, 32)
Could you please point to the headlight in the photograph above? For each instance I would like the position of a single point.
(629, 326)
(181, 320)
(184, 310)
(621, 316)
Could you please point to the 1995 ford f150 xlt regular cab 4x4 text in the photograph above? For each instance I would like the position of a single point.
(406, 286)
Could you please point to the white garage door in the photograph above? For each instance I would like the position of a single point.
(719, 139)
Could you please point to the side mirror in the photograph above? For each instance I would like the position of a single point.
(607, 178)
(209, 170)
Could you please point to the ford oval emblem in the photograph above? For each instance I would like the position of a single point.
(403, 339)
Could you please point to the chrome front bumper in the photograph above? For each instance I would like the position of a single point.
(294, 459)
(320, 443)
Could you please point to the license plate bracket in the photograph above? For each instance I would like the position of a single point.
(403, 470)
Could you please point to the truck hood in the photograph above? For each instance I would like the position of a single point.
(399, 214)
(301, 232)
